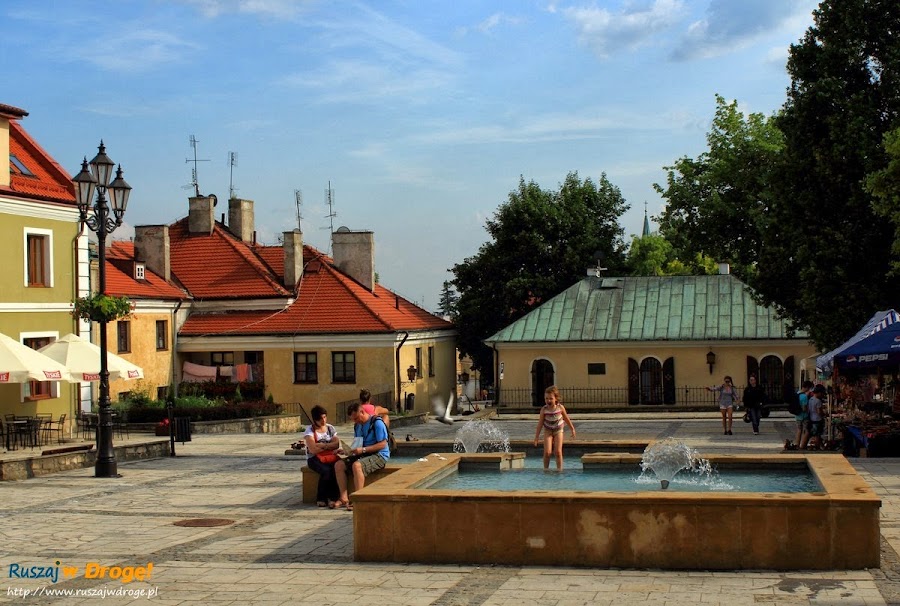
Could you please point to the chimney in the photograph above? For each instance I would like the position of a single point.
(293, 258)
(354, 254)
(201, 217)
(724, 269)
(151, 247)
(240, 218)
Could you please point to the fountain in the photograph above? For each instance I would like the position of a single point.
(668, 457)
(483, 434)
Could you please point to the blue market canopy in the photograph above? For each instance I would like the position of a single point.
(876, 344)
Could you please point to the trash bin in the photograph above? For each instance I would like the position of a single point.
(183, 429)
(410, 401)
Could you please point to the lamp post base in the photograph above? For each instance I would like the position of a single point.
(106, 469)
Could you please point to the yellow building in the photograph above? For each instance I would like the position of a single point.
(43, 258)
(304, 327)
(647, 340)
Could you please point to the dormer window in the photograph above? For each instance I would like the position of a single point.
(139, 269)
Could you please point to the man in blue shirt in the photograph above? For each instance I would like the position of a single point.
(368, 458)
(803, 418)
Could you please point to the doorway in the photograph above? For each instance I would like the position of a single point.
(541, 379)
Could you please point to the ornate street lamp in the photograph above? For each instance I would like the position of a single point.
(95, 213)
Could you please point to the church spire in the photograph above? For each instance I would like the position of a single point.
(646, 231)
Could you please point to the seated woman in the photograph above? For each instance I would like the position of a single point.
(322, 444)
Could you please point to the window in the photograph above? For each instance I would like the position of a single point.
(38, 390)
(651, 381)
(162, 335)
(162, 392)
(418, 362)
(123, 336)
(222, 358)
(38, 267)
(19, 167)
(596, 368)
(253, 357)
(306, 367)
(431, 360)
(343, 367)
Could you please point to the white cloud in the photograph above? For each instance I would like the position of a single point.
(491, 23)
(730, 25)
(282, 9)
(631, 27)
(398, 62)
(135, 50)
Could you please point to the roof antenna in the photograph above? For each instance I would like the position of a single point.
(194, 183)
(329, 200)
(298, 198)
(232, 162)
(598, 259)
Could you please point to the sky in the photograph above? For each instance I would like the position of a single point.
(421, 114)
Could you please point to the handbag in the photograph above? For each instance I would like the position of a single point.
(327, 457)
(746, 417)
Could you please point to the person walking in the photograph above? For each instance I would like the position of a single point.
(753, 398)
(728, 397)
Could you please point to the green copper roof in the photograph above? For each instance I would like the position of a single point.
(676, 308)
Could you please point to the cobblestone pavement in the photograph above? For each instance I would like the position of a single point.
(278, 551)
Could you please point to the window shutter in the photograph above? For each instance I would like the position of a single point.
(669, 381)
(634, 381)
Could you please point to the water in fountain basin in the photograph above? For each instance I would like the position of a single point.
(482, 434)
(668, 457)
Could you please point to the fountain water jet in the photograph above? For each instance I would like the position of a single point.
(483, 434)
(668, 457)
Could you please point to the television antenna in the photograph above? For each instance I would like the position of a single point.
(232, 162)
(194, 183)
(298, 199)
(329, 200)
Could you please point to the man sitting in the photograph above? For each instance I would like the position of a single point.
(366, 459)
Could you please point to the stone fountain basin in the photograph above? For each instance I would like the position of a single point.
(397, 520)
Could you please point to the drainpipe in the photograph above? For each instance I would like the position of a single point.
(175, 346)
(496, 378)
(397, 368)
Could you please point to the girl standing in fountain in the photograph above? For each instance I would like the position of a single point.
(553, 421)
(728, 397)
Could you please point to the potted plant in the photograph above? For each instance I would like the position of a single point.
(99, 308)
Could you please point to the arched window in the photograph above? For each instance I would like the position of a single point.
(771, 378)
(541, 379)
(651, 381)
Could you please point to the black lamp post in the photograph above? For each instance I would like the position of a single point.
(95, 213)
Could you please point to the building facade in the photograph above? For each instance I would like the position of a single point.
(647, 340)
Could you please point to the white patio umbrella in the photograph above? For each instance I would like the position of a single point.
(82, 359)
(21, 364)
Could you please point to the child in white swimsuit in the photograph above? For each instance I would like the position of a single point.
(553, 421)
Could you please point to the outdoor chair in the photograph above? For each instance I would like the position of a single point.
(120, 424)
(57, 427)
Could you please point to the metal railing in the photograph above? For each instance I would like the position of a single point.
(600, 397)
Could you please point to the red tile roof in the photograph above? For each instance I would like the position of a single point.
(329, 302)
(48, 180)
(220, 266)
(120, 279)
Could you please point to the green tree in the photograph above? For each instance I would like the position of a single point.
(717, 203)
(885, 186)
(653, 255)
(541, 242)
(449, 297)
(826, 254)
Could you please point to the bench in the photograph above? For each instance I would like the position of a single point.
(311, 480)
(67, 449)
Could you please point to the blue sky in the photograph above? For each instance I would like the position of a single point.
(422, 114)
